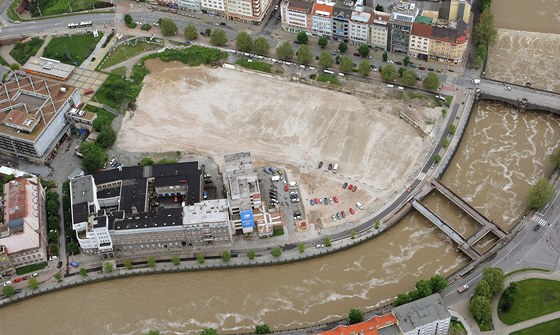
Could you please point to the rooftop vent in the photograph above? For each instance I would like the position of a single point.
(63, 90)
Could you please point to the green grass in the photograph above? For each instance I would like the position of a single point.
(12, 12)
(31, 268)
(3, 62)
(23, 51)
(327, 78)
(101, 94)
(103, 117)
(536, 297)
(124, 52)
(524, 270)
(79, 47)
(255, 65)
(546, 328)
(55, 7)
(413, 95)
(278, 232)
(120, 71)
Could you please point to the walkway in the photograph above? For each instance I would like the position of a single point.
(5, 53)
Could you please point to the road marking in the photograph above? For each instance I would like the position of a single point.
(540, 221)
(421, 176)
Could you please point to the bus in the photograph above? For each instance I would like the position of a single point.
(85, 24)
(73, 25)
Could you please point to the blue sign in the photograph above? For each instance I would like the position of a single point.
(247, 219)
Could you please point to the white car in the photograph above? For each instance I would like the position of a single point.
(8, 283)
(318, 246)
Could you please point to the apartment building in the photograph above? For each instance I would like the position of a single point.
(426, 316)
(342, 13)
(249, 11)
(360, 21)
(296, 15)
(213, 7)
(448, 44)
(189, 5)
(23, 230)
(321, 18)
(420, 37)
(33, 115)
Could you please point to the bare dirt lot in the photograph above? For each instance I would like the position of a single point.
(219, 111)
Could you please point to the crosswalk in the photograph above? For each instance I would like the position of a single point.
(421, 176)
(540, 221)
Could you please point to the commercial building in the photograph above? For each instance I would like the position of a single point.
(296, 15)
(379, 30)
(321, 18)
(419, 45)
(213, 7)
(360, 22)
(207, 222)
(50, 68)
(250, 11)
(400, 26)
(449, 43)
(426, 316)
(23, 231)
(81, 119)
(342, 13)
(32, 115)
(189, 5)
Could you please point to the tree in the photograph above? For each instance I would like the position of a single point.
(128, 19)
(323, 42)
(511, 292)
(389, 73)
(345, 64)
(424, 288)
(302, 37)
(301, 247)
(385, 56)
(452, 129)
(54, 222)
(208, 31)
(83, 272)
(327, 241)
(342, 47)
(364, 68)
(555, 158)
(58, 277)
(379, 8)
(244, 42)
(355, 316)
(276, 252)
(262, 329)
(226, 256)
(127, 264)
(445, 143)
(483, 289)
(154, 332)
(406, 61)
(408, 78)
(176, 260)
(200, 258)
(477, 62)
(190, 32)
(541, 193)
(402, 299)
(106, 137)
(8, 290)
(251, 254)
(151, 261)
(261, 46)
(484, 31)
(108, 267)
(431, 82)
(363, 50)
(437, 158)
(52, 206)
(168, 27)
(481, 51)
(73, 248)
(14, 67)
(305, 55)
(53, 236)
(495, 278)
(94, 157)
(33, 283)
(480, 309)
(218, 38)
(285, 51)
(326, 60)
(209, 331)
(438, 283)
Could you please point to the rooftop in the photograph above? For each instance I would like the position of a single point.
(322, 9)
(420, 312)
(164, 217)
(422, 29)
(208, 211)
(48, 67)
(302, 6)
(374, 326)
(240, 179)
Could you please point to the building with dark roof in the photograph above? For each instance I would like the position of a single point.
(296, 15)
(427, 316)
(342, 13)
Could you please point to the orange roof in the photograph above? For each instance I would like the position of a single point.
(422, 29)
(369, 327)
(323, 8)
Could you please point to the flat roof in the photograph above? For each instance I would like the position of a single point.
(208, 211)
(420, 312)
(48, 67)
(164, 217)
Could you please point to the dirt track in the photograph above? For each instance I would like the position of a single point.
(220, 111)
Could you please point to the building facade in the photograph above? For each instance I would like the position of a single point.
(426, 316)
(189, 5)
(321, 19)
(448, 44)
(342, 13)
(359, 25)
(207, 222)
(379, 30)
(296, 15)
(250, 11)
(213, 7)
(419, 45)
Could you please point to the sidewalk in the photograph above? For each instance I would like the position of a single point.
(5, 53)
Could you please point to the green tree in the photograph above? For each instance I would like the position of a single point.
(355, 316)
(481, 51)
(495, 278)
(345, 64)
(176, 260)
(389, 73)
(301, 247)
(379, 8)
(444, 111)
(226, 256)
(251, 254)
(326, 60)
(200, 258)
(364, 68)
(151, 261)
(53, 236)
(305, 55)
(147, 161)
(262, 329)
(54, 222)
(168, 27)
(323, 42)
(94, 157)
(128, 264)
(445, 142)
(431, 82)
(437, 158)
(106, 137)
(402, 299)
(128, 19)
(208, 31)
(555, 157)
(276, 252)
(108, 267)
(14, 67)
(8, 290)
(244, 42)
(452, 129)
(511, 292)
(53, 247)
(33, 283)
(406, 61)
(285, 51)
(154, 332)
(302, 37)
(385, 56)
(408, 78)
(424, 287)
(477, 62)
(209, 331)
(541, 193)
(377, 224)
(353, 234)
(58, 277)
(261, 46)
(327, 241)
(342, 47)
(484, 32)
(438, 283)
(83, 272)
(218, 38)
(483, 289)
(190, 32)
(363, 50)
(480, 309)
(73, 248)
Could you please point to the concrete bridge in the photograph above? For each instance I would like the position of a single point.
(524, 98)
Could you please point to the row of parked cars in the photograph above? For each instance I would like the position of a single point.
(342, 214)
(325, 200)
(17, 280)
(350, 187)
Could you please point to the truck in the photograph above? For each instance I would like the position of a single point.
(275, 178)
(463, 288)
(335, 167)
(476, 81)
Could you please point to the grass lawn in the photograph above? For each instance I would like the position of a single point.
(546, 328)
(536, 297)
(31, 268)
(101, 94)
(120, 71)
(3, 62)
(124, 52)
(103, 117)
(278, 232)
(55, 7)
(78, 47)
(255, 65)
(524, 270)
(11, 11)
(23, 51)
(327, 78)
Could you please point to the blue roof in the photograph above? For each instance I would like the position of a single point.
(247, 219)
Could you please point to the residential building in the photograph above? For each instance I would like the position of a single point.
(250, 11)
(23, 230)
(454, 10)
(296, 15)
(213, 7)
(243, 193)
(46, 67)
(400, 26)
(321, 18)
(426, 316)
(420, 37)
(448, 44)
(377, 325)
(379, 30)
(207, 222)
(32, 115)
(360, 22)
(81, 119)
(342, 13)
(189, 5)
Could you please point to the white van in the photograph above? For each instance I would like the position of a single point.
(390, 86)
(359, 205)
(275, 178)
(476, 81)
(335, 167)
(293, 184)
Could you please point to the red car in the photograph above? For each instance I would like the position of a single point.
(286, 188)
(17, 280)
(350, 187)
(316, 201)
(25, 277)
(352, 211)
(354, 188)
(335, 199)
(343, 213)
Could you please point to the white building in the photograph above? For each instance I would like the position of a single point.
(426, 316)
(378, 30)
(217, 7)
(191, 5)
(419, 45)
(250, 11)
(358, 30)
(321, 18)
(207, 222)
(296, 15)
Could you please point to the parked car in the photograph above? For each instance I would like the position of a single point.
(339, 216)
(316, 201)
(421, 68)
(320, 165)
(331, 200)
(24, 277)
(430, 69)
(17, 280)
(351, 210)
(343, 213)
(75, 264)
(326, 201)
(59, 265)
(320, 246)
(344, 185)
(354, 188)
(286, 188)
(359, 205)
(320, 201)
(330, 166)
(35, 274)
(311, 202)
(335, 199)
(350, 187)
(537, 227)
(333, 217)
(7, 283)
